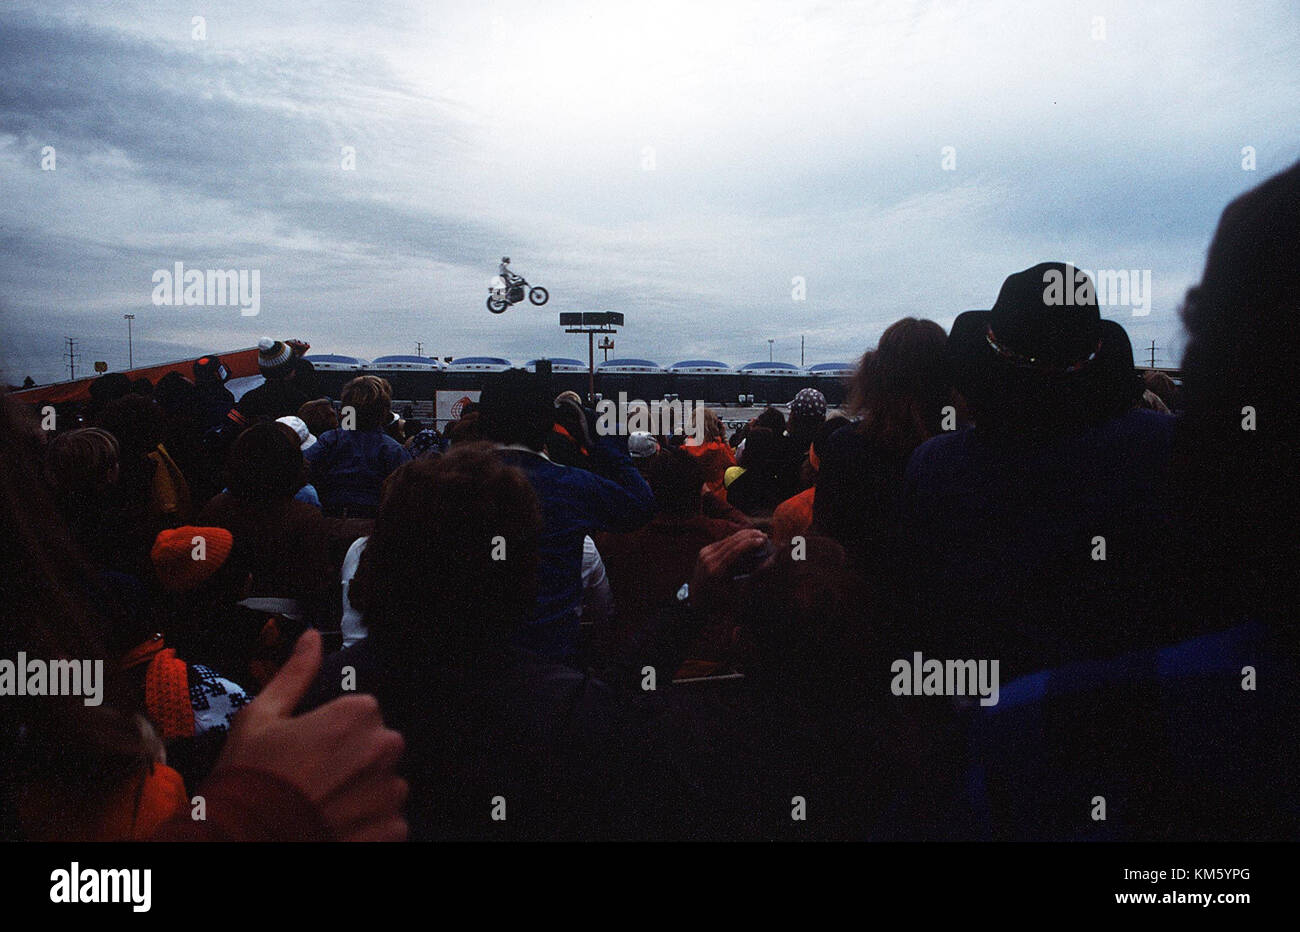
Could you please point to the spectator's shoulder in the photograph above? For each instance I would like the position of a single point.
(1155, 423)
(324, 442)
(939, 451)
(543, 466)
(393, 448)
(846, 437)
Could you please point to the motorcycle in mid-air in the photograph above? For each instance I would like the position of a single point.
(502, 294)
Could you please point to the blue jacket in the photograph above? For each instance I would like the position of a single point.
(348, 467)
(575, 503)
(1169, 737)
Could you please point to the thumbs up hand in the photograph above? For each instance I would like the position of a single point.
(340, 756)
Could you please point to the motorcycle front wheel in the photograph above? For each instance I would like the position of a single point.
(497, 305)
(538, 295)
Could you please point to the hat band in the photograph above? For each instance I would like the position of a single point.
(1030, 362)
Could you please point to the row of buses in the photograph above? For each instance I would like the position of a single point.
(416, 378)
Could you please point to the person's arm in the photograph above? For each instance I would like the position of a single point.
(597, 599)
(395, 455)
(317, 455)
(618, 499)
(715, 506)
(833, 504)
(709, 596)
(248, 805)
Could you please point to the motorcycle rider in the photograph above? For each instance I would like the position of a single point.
(508, 276)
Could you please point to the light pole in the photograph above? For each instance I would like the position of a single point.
(130, 350)
(769, 350)
(591, 323)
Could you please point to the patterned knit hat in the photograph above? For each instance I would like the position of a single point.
(426, 442)
(186, 557)
(808, 403)
(273, 356)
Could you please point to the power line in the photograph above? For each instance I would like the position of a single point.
(72, 355)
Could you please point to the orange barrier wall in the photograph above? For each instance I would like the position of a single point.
(240, 363)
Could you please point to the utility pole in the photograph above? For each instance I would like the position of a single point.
(130, 350)
(72, 358)
(606, 344)
(801, 351)
(419, 348)
(769, 350)
(1153, 354)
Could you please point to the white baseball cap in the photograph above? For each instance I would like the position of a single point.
(305, 438)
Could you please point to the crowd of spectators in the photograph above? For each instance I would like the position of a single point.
(337, 622)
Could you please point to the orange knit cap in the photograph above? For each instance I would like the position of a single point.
(186, 557)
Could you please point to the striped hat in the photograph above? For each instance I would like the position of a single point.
(272, 355)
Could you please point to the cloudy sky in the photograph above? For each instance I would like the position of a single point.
(682, 162)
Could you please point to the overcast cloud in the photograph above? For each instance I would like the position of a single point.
(681, 162)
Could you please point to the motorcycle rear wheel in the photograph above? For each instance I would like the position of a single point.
(497, 305)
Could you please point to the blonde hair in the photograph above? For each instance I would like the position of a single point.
(83, 460)
(372, 398)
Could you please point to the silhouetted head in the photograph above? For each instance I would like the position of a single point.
(265, 463)
(771, 419)
(901, 386)
(677, 479)
(1237, 442)
(517, 407)
(319, 416)
(371, 398)
(82, 462)
(466, 525)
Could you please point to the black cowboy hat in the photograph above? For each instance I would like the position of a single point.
(1044, 346)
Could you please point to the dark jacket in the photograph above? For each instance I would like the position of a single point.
(1002, 538)
(215, 402)
(500, 729)
(859, 491)
(273, 398)
(293, 550)
(575, 503)
(348, 467)
(1182, 751)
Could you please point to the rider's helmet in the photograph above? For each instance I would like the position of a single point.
(505, 258)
